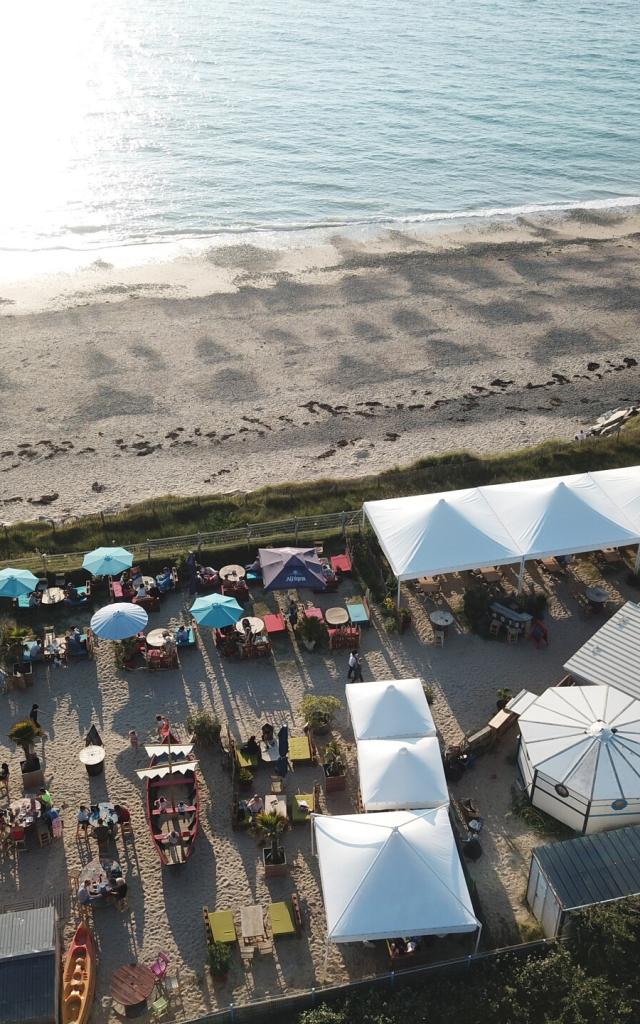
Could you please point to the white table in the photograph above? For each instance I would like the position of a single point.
(270, 753)
(232, 572)
(256, 624)
(252, 922)
(441, 618)
(54, 595)
(597, 595)
(156, 637)
(337, 616)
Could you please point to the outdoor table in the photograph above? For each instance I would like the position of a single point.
(441, 618)
(24, 815)
(612, 555)
(596, 595)
(311, 612)
(337, 616)
(149, 581)
(490, 574)
(156, 638)
(132, 985)
(252, 922)
(256, 624)
(275, 805)
(54, 595)
(92, 758)
(91, 872)
(105, 815)
(221, 925)
(232, 572)
(270, 752)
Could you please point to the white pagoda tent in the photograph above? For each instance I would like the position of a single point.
(401, 774)
(389, 709)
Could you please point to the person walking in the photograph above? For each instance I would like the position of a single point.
(357, 671)
(353, 665)
(33, 715)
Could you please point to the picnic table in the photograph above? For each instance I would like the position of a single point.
(132, 985)
(25, 814)
(221, 926)
(252, 922)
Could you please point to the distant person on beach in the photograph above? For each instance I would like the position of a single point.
(33, 715)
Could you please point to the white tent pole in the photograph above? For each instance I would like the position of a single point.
(312, 824)
(521, 575)
(478, 937)
(399, 585)
(638, 560)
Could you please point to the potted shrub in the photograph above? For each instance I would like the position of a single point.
(24, 734)
(19, 670)
(219, 958)
(245, 778)
(273, 855)
(404, 620)
(335, 768)
(311, 632)
(504, 695)
(203, 728)
(318, 712)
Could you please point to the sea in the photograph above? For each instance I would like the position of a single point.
(151, 127)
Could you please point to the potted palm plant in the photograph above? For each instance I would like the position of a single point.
(311, 632)
(20, 672)
(335, 768)
(273, 855)
(219, 959)
(318, 712)
(24, 734)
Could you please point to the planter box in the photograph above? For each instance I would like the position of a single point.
(334, 783)
(273, 870)
(33, 780)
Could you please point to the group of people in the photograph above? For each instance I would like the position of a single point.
(110, 885)
(71, 595)
(90, 816)
(133, 585)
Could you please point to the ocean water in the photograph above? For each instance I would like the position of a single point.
(128, 123)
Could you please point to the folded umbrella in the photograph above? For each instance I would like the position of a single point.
(107, 561)
(15, 582)
(216, 611)
(283, 741)
(119, 621)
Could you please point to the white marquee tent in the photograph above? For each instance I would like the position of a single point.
(401, 774)
(389, 709)
(390, 874)
(612, 655)
(503, 524)
(579, 756)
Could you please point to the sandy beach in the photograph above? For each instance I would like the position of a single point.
(225, 871)
(245, 365)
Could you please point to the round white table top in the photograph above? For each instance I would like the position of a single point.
(92, 754)
(232, 572)
(597, 594)
(441, 618)
(156, 638)
(337, 616)
(22, 808)
(257, 625)
(54, 595)
(271, 752)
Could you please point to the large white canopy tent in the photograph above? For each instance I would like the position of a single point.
(401, 774)
(504, 524)
(579, 755)
(391, 874)
(389, 709)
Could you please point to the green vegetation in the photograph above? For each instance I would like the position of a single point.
(333, 760)
(170, 516)
(536, 819)
(219, 956)
(24, 734)
(318, 711)
(203, 727)
(589, 980)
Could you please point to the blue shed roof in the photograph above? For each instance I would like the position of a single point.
(593, 869)
(28, 989)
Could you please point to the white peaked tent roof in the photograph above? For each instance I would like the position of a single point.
(390, 874)
(612, 655)
(389, 709)
(504, 523)
(587, 738)
(401, 774)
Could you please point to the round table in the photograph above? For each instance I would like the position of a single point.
(270, 753)
(155, 637)
(54, 595)
(132, 985)
(149, 581)
(105, 815)
(232, 572)
(92, 758)
(337, 616)
(256, 624)
(23, 813)
(596, 595)
(441, 618)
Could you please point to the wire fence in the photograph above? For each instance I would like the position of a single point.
(295, 528)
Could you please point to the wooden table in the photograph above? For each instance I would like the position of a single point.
(275, 805)
(252, 922)
(256, 624)
(232, 572)
(132, 985)
(22, 810)
(337, 616)
(54, 595)
(596, 595)
(441, 618)
(490, 574)
(612, 556)
(156, 638)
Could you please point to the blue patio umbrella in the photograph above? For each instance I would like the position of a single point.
(119, 621)
(216, 611)
(107, 561)
(14, 582)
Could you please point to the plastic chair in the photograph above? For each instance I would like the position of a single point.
(18, 837)
(159, 967)
(159, 1008)
(171, 986)
(126, 829)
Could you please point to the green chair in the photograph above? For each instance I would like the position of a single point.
(159, 1008)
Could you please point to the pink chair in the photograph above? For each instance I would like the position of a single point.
(159, 967)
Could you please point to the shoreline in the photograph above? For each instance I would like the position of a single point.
(339, 361)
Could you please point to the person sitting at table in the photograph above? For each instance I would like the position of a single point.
(122, 813)
(34, 599)
(182, 807)
(255, 805)
(55, 651)
(254, 566)
(169, 644)
(83, 818)
(182, 635)
(164, 580)
(74, 644)
(71, 592)
(141, 591)
(251, 747)
(292, 613)
(119, 889)
(267, 734)
(84, 893)
(246, 625)
(153, 592)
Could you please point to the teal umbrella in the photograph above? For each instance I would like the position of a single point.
(216, 611)
(15, 582)
(107, 561)
(119, 621)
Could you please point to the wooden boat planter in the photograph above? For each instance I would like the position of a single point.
(172, 774)
(79, 977)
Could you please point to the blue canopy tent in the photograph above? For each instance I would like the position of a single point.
(291, 568)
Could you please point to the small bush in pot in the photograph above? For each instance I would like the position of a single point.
(504, 695)
(204, 728)
(219, 958)
(335, 767)
(245, 778)
(311, 632)
(272, 825)
(318, 712)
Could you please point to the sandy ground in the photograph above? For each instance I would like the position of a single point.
(247, 366)
(225, 870)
